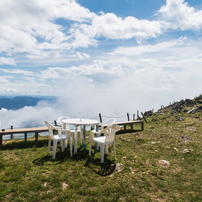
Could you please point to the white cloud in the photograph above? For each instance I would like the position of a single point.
(29, 26)
(110, 26)
(142, 49)
(7, 61)
(82, 56)
(17, 71)
(179, 54)
(178, 14)
(142, 89)
(25, 86)
(29, 116)
(98, 67)
(4, 79)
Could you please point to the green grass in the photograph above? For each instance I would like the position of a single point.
(27, 173)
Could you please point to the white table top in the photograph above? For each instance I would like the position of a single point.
(77, 122)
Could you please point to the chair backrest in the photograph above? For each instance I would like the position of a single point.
(59, 121)
(50, 128)
(110, 121)
(110, 132)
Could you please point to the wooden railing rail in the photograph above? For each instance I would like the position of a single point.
(125, 123)
(22, 130)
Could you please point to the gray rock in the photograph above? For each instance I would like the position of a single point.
(173, 112)
(199, 107)
(140, 139)
(163, 163)
(180, 119)
(148, 113)
(185, 151)
(178, 106)
(189, 102)
(119, 167)
(186, 137)
(199, 101)
(192, 111)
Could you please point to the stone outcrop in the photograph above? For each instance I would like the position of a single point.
(179, 106)
(148, 113)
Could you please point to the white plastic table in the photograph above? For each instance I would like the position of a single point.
(77, 123)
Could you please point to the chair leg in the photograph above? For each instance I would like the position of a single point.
(102, 147)
(81, 137)
(49, 144)
(66, 143)
(114, 151)
(70, 140)
(107, 146)
(90, 147)
(54, 148)
(62, 145)
(75, 142)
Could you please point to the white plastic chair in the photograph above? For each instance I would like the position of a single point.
(103, 125)
(108, 138)
(67, 126)
(56, 138)
(109, 122)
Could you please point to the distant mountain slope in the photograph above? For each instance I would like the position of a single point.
(19, 102)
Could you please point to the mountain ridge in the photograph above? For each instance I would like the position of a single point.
(18, 102)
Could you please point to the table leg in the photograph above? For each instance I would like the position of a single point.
(84, 135)
(75, 140)
(96, 144)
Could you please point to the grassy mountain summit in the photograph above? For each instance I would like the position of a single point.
(161, 163)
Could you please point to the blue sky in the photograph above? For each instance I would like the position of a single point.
(103, 56)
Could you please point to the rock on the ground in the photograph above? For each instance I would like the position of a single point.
(185, 151)
(119, 167)
(163, 163)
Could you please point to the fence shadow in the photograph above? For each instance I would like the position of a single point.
(21, 144)
(127, 131)
(60, 158)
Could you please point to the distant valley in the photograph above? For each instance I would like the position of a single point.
(18, 102)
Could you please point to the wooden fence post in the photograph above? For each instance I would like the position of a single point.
(133, 117)
(128, 116)
(129, 120)
(25, 137)
(1, 138)
(11, 133)
(36, 138)
(100, 117)
(138, 115)
(144, 117)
